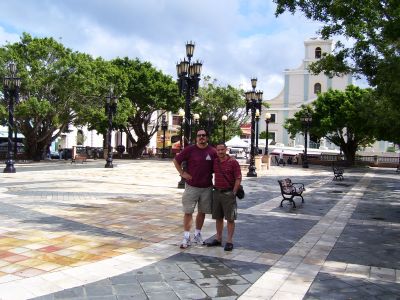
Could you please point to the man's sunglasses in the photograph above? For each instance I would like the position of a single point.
(201, 135)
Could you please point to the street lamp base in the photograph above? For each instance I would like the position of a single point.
(109, 164)
(305, 165)
(9, 167)
(252, 172)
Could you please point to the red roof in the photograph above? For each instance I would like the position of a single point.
(246, 129)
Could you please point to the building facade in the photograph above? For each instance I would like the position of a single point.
(300, 87)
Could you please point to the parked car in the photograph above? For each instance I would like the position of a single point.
(54, 155)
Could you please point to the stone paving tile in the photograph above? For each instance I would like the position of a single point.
(328, 286)
(371, 245)
(378, 202)
(267, 229)
(83, 215)
(206, 277)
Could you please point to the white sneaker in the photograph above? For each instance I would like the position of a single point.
(185, 243)
(198, 239)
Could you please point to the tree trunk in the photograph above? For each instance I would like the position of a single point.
(137, 150)
(349, 150)
(35, 151)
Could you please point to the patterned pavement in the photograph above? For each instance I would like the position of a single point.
(80, 231)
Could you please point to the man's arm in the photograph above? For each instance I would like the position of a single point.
(236, 186)
(181, 172)
(238, 176)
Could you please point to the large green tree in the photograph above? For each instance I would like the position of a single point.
(43, 66)
(215, 101)
(342, 117)
(60, 87)
(374, 28)
(104, 80)
(149, 90)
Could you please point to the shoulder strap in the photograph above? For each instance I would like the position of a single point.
(222, 172)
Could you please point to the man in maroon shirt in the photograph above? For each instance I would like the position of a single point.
(199, 160)
(228, 177)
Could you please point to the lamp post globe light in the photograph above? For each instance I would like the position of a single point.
(11, 85)
(164, 127)
(188, 83)
(210, 123)
(306, 119)
(224, 119)
(111, 110)
(196, 118)
(253, 102)
(267, 119)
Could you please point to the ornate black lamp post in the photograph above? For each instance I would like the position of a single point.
(253, 102)
(267, 119)
(164, 127)
(195, 127)
(181, 114)
(306, 119)
(224, 118)
(181, 183)
(257, 120)
(188, 82)
(11, 93)
(111, 110)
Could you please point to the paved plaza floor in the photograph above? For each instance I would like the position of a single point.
(81, 231)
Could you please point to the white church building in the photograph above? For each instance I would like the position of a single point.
(300, 87)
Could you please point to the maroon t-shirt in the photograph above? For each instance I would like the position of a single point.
(230, 168)
(199, 164)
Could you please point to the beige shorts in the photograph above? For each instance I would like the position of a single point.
(193, 196)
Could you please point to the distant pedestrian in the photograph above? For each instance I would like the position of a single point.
(59, 151)
(281, 161)
(199, 160)
(228, 177)
(48, 152)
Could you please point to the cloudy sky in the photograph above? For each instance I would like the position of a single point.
(235, 39)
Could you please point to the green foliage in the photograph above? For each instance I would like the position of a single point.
(374, 28)
(213, 102)
(148, 90)
(61, 87)
(343, 117)
(263, 135)
(47, 93)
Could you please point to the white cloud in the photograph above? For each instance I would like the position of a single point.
(7, 37)
(236, 39)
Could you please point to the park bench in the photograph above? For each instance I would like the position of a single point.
(290, 190)
(79, 157)
(337, 172)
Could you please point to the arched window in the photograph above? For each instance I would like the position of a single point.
(80, 138)
(317, 88)
(318, 52)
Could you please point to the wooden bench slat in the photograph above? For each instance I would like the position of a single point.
(337, 173)
(291, 189)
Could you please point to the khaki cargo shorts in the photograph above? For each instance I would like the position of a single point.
(224, 205)
(193, 196)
